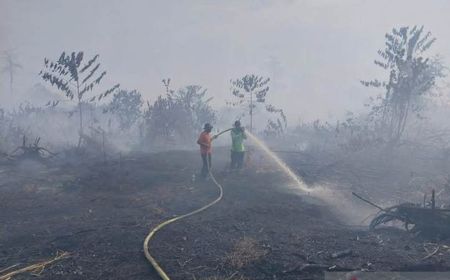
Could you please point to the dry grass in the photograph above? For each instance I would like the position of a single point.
(158, 210)
(245, 251)
(31, 188)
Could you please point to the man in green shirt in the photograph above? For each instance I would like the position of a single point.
(237, 146)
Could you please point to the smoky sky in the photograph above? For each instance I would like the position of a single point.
(314, 51)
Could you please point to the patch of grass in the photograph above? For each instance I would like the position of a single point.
(245, 251)
(31, 188)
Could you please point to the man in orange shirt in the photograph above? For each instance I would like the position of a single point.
(204, 141)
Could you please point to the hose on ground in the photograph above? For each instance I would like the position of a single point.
(152, 233)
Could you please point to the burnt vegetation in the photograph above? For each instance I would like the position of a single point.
(93, 166)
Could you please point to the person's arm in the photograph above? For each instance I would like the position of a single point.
(244, 135)
(201, 141)
(202, 144)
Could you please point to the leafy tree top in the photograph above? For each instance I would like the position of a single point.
(75, 78)
(404, 58)
(251, 84)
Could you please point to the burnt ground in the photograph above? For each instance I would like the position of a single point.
(101, 212)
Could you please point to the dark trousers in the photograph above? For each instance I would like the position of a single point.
(206, 159)
(237, 159)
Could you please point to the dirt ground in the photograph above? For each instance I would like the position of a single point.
(100, 212)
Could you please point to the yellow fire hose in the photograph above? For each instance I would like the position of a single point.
(149, 257)
(40, 266)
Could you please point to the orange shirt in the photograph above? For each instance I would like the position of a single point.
(205, 140)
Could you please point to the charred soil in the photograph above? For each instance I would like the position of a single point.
(100, 212)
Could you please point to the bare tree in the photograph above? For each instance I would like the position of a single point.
(276, 127)
(10, 67)
(75, 79)
(249, 91)
(411, 76)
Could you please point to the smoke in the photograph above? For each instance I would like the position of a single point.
(314, 51)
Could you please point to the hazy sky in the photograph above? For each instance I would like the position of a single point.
(315, 51)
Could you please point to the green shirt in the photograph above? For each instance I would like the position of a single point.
(237, 140)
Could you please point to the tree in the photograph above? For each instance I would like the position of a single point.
(195, 101)
(179, 114)
(249, 90)
(10, 67)
(167, 118)
(126, 105)
(76, 79)
(278, 126)
(412, 75)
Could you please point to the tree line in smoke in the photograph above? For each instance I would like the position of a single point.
(412, 76)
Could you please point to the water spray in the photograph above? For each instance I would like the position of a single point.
(263, 147)
(274, 157)
(338, 201)
(279, 162)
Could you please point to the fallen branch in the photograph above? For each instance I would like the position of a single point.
(432, 253)
(33, 151)
(8, 268)
(35, 268)
(369, 202)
